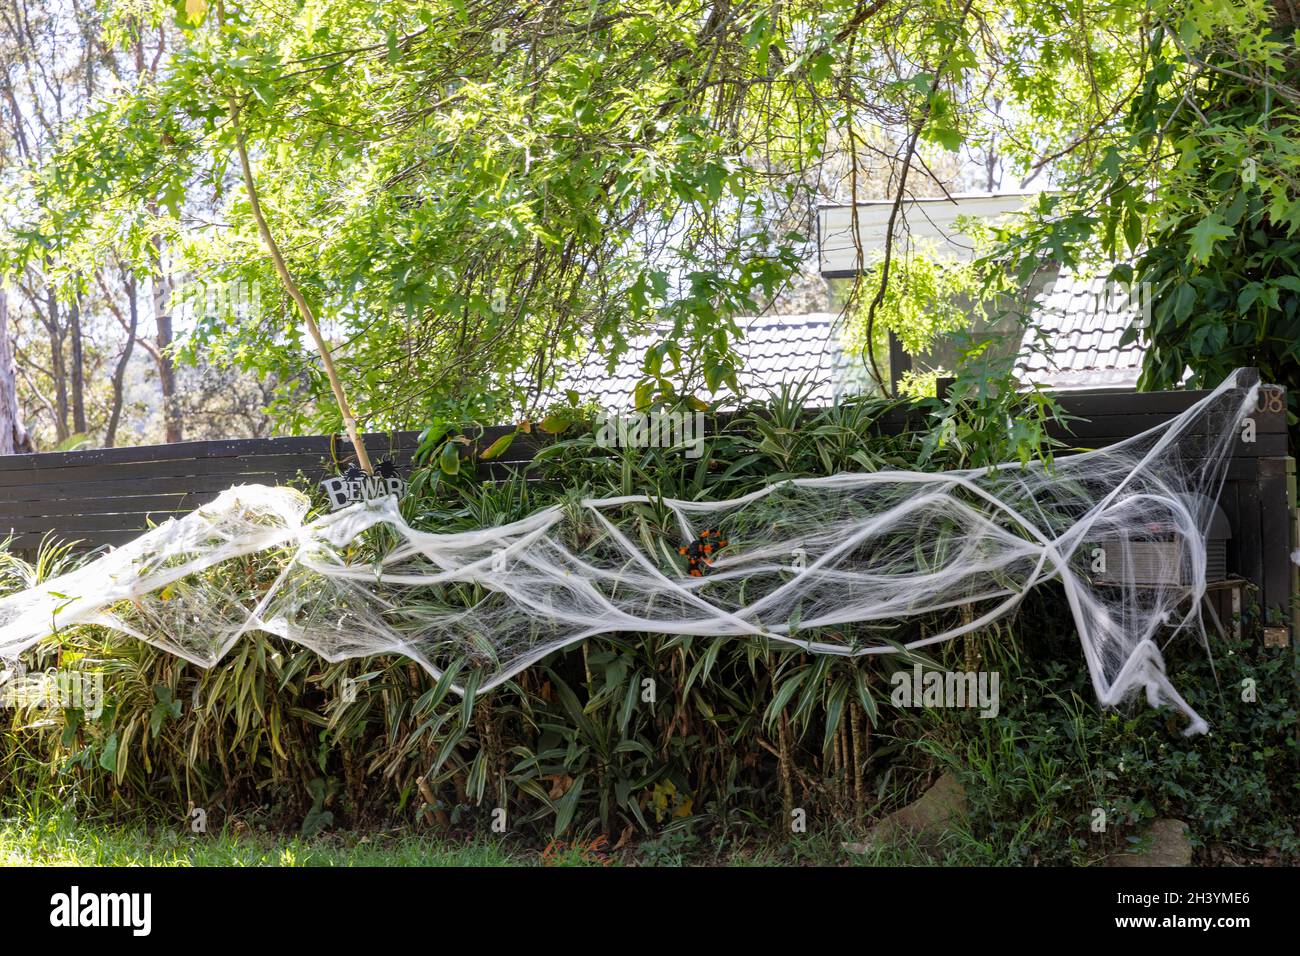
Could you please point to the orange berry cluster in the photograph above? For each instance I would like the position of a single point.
(699, 551)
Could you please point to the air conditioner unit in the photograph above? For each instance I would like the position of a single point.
(1158, 557)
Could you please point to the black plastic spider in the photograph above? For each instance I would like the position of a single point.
(699, 552)
(386, 469)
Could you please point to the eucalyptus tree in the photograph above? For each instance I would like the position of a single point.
(62, 60)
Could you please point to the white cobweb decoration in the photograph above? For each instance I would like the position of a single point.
(844, 565)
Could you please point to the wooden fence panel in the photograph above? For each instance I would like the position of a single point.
(108, 496)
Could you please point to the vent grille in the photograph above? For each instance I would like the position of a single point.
(1159, 563)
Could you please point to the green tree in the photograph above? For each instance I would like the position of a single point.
(1196, 193)
(466, 193)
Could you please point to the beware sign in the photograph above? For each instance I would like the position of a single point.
(355, 485)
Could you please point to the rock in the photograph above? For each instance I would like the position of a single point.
(922, 821)
(1169, 845)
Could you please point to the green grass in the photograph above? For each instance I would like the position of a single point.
(58, 839)
(63, 841)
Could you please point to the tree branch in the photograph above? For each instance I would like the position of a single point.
(349, 423)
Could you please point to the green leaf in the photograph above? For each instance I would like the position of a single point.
(1132, 228)
(166, 706)
(643, 394)
(428, 440)
(498, 447)
(108, 757)
(716, 373)
(449, 460)
(189, 13)
(554, 424)
(567, 805)
(821, 67)
(1184, 299)
(946, 136)
(1205, 235)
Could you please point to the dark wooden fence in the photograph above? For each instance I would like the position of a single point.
(108, 496)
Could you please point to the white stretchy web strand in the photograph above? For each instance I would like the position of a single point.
(837, 565)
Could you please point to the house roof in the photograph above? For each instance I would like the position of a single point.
(1073, 341)
(1072, 344)
(777, 349)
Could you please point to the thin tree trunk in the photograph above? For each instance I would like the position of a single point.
(77, 373)
(58, 367)
(861, 742)
(172, 426)
(785, 766)
(119, 373)
(14, 439)
(327, 360)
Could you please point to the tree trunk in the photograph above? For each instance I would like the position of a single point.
(166, 366)
(77, 374)
(58, 367)
(119, 373)
(14, 439)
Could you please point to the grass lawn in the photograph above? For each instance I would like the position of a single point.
(62, 841)
(58, 839)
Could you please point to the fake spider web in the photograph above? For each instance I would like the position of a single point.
(850, 564)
